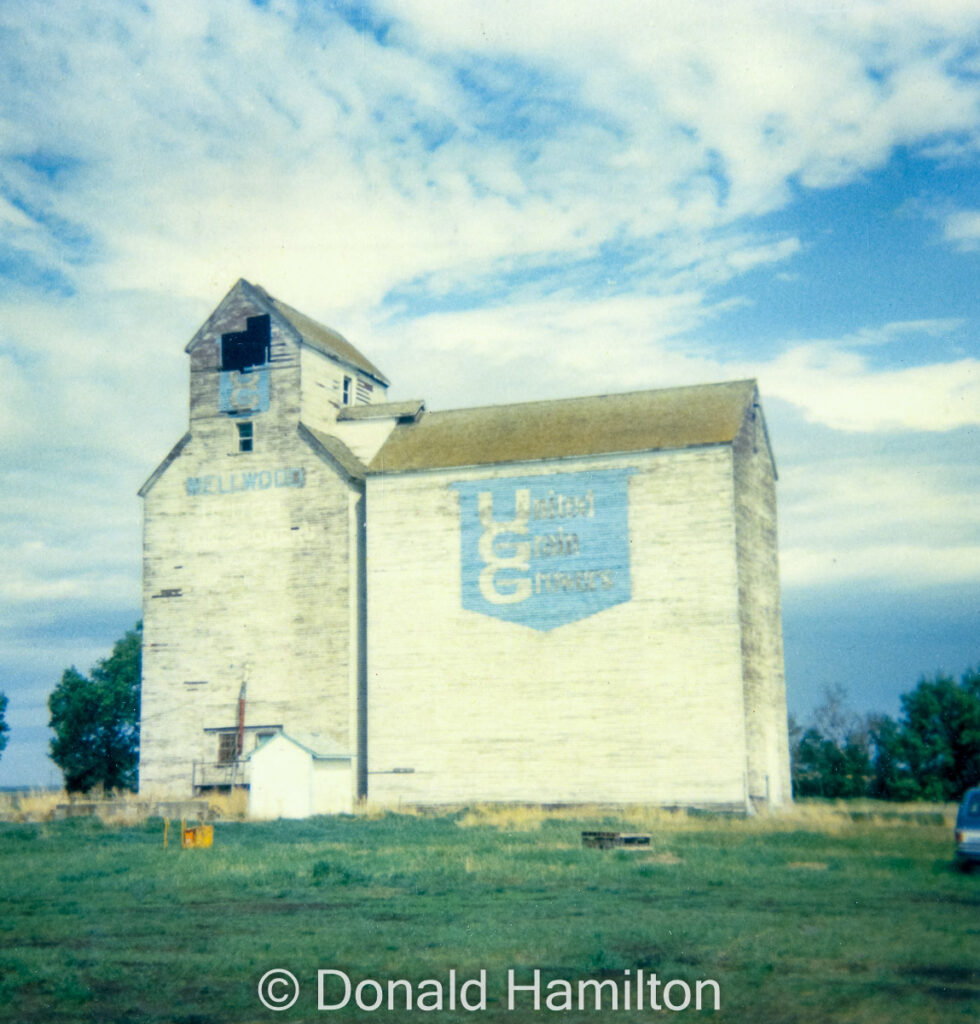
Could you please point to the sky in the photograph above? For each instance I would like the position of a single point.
(498, 202)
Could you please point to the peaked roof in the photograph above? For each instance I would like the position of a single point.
(604, 424)
(323, 339)
(322, 748)
(316, 335)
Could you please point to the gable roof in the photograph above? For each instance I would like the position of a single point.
(321, 748)
(683, 417)
(323, 339)
(308, 331)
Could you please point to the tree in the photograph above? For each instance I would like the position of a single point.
(891, 778)
(832, 757)
(810, 767)
(832, 718)
(4, 728)
(932, 752)
(96, 720)
(823, 767)
(939, 738)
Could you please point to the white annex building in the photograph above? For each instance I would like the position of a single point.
(551, 602)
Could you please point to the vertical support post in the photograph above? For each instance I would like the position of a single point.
(362, 668)
(240, 745)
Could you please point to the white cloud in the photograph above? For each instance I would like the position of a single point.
(773, 90)
(543, 349)
(649, 341)
(758, 255)
(208, 141)
(893, 565)
(887, 518)
(13, 218)
(836, 387)
(963, 229)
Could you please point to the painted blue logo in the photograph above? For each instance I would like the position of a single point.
(244, 392)
(544, 551)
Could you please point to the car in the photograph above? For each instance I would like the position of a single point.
(968, 830)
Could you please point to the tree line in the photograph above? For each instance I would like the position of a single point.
(931, 751)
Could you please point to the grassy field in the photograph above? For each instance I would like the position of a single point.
(824, 914)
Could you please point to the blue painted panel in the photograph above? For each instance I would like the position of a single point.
(544, 551)
(244, 392)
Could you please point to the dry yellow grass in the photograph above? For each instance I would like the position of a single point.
(231, 806)
(113, 808)
(31, 804)
(823, 816)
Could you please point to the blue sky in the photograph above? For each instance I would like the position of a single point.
(500, 202)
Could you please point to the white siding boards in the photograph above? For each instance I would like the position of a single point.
(552, 602)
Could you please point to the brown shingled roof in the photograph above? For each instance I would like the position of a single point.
(323, 339)
(636, 421)
(336, 449)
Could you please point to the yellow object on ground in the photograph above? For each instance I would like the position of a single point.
(197, 837)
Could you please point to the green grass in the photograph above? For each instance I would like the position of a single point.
(864, 920)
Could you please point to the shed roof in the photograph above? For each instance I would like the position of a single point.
(682, 417)
(408, 410)
(336, 449)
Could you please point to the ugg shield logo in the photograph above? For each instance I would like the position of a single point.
(544, 551)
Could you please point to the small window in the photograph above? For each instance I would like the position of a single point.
(227, 747)
(245, 437)
(347, 384)
(241, 350)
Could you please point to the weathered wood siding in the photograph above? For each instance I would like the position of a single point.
(322, 389)
(640, 702)
(246, 576)
(760, 613)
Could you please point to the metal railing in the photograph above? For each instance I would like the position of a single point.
(212, 774)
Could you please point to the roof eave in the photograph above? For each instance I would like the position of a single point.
(280, 310)
(335, 452)
(325, 350)
(373, 469)
(670, 419)
(162, 468)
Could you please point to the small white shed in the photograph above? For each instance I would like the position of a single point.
(295, 777)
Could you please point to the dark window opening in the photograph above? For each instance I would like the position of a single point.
(246, 437)
(243, 349)
(347, 383)
(227, 747)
